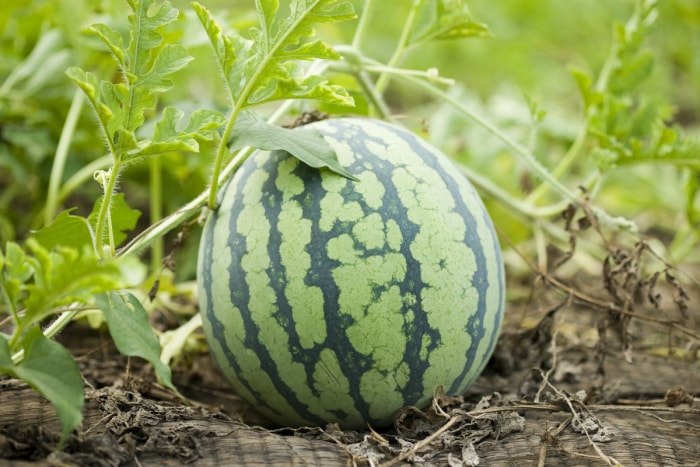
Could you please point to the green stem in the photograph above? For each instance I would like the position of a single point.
(103, 217)
(52, 329)
(156, 208)
(564, 164)
(61, 155)
(397, 56)
(514, 204)
(363, 25)
(534, 164)
(84, 173)
(15, 315)
(221, 152)
(374, 97)
(144, 239)
(429, 75)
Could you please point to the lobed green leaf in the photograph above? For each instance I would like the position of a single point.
(90, 85)
(170, 59)
(166, 137)
(446, 20)
(123, 217)
(15, 270)
(66, 230)
(113, 40)
(288, 81)
(223, 46)
(629, 127)
(263, 68)
(63, 276)
(146, 63)
(144, 35)
(203, 122)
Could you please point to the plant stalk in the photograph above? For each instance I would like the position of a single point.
(397, 56)
(104, 215)
(155, 187)
(59, 164)
(363, 25)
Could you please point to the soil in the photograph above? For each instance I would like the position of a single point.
(554, 393)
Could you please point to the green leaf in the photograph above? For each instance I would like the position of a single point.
(65, 230)
(146, 63)
(263, 68)
(628, 126)
(144, 35)
(49, 368)
(132, 333)
(112, 39)
(170, 59)
(203, 121)
(15, 262)
(446, 20)
(166, 137)
(15, 271)
(123, 217)
(288, 81)
(636, 70)
(90, 85)
(585, 84)
(223, 46)
(305, 144)
(63, 276)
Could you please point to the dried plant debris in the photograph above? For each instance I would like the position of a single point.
(452, 431)
(678, 395)
(637, 288)
(447, 433)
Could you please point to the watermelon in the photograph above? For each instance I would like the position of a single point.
(325, 299)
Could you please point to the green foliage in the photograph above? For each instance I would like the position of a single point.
(445, 20)
(305, 144)
(146, 64)
(42, 280)
(30, 99)
(35, 285)
(265, 67)
(70, 262)
(629, 127)
(122, 218)
(132, 333)
(66, 230)
(151, 101)
(49, 368)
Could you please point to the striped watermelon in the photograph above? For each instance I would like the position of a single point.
(328, 300)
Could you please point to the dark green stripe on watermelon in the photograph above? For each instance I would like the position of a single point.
(326, 304)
